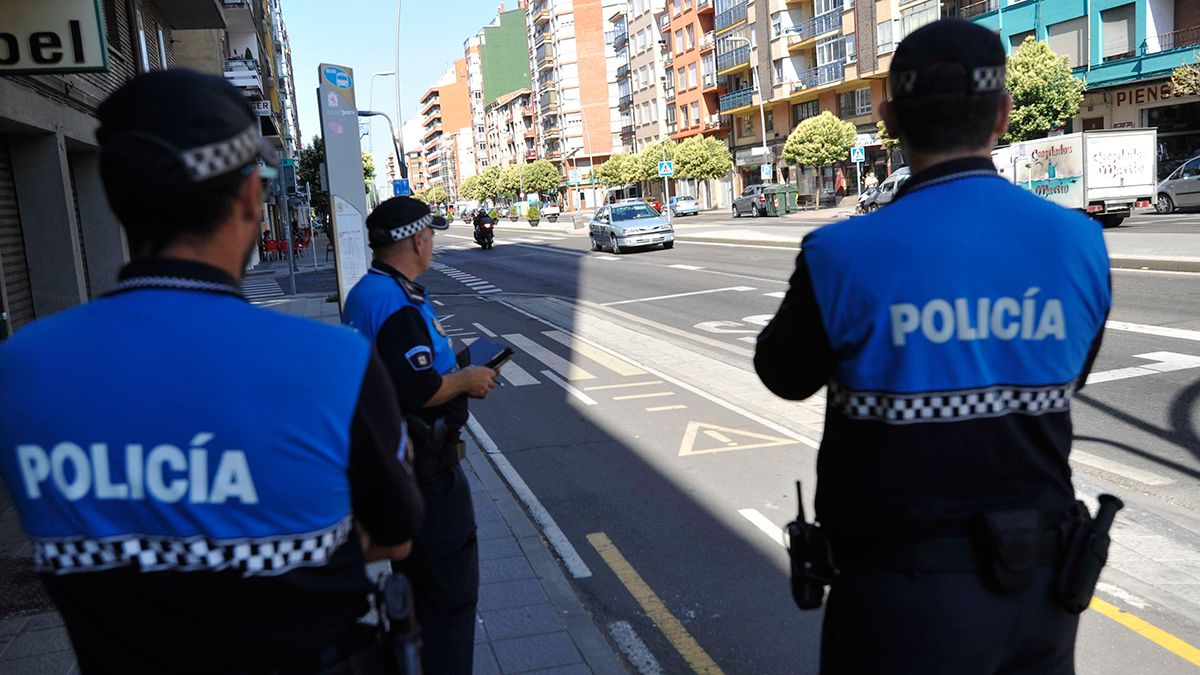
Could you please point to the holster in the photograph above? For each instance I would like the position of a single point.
(436, 448)
(811, 558)
(1087, 552)
(1008, 548)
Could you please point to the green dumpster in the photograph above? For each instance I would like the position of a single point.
(781, 199)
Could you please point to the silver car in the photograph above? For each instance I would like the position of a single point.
(683, 205)
(622, 226)
(1181, 189)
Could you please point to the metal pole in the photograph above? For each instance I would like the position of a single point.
(311, 229)
(287, 229)
(666, 187)
(399, 114)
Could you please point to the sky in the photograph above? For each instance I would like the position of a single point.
(361, 34)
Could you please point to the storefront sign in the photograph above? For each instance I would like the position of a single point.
(51, 36)
(1122, 125)
(1143, 95)
(262, 108)
(755, 156)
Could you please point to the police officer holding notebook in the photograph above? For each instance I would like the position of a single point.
(184, 518)
(952, 329)
(396, 314)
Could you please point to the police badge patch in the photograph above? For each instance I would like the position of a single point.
(420, 358)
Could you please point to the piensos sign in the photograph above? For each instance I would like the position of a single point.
(51, 36)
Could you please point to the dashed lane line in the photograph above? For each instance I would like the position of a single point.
(584, 398)
(1160, 331)
(623, 386)
(635, 397)
(679, 295)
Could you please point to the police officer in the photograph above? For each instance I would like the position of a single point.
(184, 518)
(432, 383)
(951, 328)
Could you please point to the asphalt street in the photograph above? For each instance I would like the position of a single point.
(661, 472)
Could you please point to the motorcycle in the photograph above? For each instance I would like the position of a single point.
(865, 199)
(484, 234)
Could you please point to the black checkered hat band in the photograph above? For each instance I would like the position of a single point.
(222, 157)
(406, 231)
(983, 79)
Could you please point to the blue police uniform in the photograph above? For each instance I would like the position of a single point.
(189, 474)
(952, 329)
(396, 315)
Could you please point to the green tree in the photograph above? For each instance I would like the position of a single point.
(470, 189)
(436, 195)
(489, 183)
(510, 180)
(542, 176)
(308, 172)
(420, 196)
(702, 158)
(890, 144)
(649, 157)
(1185, 80)
(819, 141)
(1045, 93)
(617, 170)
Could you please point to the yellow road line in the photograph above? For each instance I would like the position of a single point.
(630, 397)
(665, 407)
(684, 643)
(1149, 631)
(622, 386)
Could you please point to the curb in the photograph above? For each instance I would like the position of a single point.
(576, 620)
(773, 243)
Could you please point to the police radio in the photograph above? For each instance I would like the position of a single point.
(811, 558)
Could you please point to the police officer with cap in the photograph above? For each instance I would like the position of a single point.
(952, 329)
(184, 518)
(432, 384)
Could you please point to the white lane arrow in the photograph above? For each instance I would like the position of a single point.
(1163, 362)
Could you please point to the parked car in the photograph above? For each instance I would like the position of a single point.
(550, 211)
(753, 201)
(887, 189)
(624, 225)
(653, 203)
(683, 205)
(1181, 189)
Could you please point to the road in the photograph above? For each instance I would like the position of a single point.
(632, 414)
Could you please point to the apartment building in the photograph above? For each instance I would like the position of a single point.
(502, 47)
(567, 38)
(60, 245)
(693, 87)
(475, 98)
(621, 119)
(649, 58)
(1125, 51)
(445, 111)
(511, 133)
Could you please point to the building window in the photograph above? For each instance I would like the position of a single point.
(770, 120)
(1069, 39)
(851, 45)
(803, 111)
(777, 24)
(1117, 32)
(856, 103)
(670, 116)
(679, 41)
(1016, 39)
(832, 50)
(888, 34)
(140, 53)
(162, 49)
(777, 66)
(112, 23)
(690, 34)
(696, 112)
(745, 126)
(692, 82)
(915, 17)
(682, 78)
(825, 6)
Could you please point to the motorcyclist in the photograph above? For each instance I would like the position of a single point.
(481, 218)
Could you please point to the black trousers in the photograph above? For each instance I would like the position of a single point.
(444, 572)
(944, 622)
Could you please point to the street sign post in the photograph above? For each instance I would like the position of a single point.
(858, 155)
(764, 172)
(343, 161)
(666, 168)
(401, 188)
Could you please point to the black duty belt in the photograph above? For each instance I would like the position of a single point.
(943, 554)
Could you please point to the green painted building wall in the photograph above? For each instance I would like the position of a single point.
(504, 56)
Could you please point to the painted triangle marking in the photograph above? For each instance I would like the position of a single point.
(701, 439)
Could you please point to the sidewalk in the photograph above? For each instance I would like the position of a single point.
(529, 618)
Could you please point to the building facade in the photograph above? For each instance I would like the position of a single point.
(445, 112)
(511, 132)
(650, 57)
(497, 67)
(1125, 51)
(60, 245)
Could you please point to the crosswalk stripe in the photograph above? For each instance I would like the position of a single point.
(516, 375)
(549, 358)
(484, 330)
(776, 294)
(618, 366)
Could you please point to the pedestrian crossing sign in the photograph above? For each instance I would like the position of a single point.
(858, 154)
(666, 168)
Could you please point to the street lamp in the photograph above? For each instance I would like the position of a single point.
(399, 115)
(762, 113)
(371, 93)
(391, 128)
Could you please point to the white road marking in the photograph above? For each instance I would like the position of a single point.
(618, 366)
(776, 294)
(632, 397)
(691, 268)
(1132, 473)
(1160, 331)
(662, 408)
(587, 400)
(557, 363)
(541, 516)
(752, 340)
(623, 386)
(468, 341)
(1162, 362)
(482, 329)
(605, 258)
(1122, 595)
(493, 290)
(763, 523)
(678, 295)
(634, 649)
(516, 375)
(439, 303)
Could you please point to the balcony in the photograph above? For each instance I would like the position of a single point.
(669, 57)
(708, 82)
(551, 129)
(540, 37)
(620, 39)
(975, 9)
(814, 28)
(737, 99)
(549, 103)
(540, 16)
(530, 155)
(554, 154)
(716, 122)
(708, 42)
(625, 101)
(544, 56)
(669, 94)
(734, 58)
(704, 6)
(622, 71)
(830, 73)
(730, 17)
(190, 14)
(1176, 40)
(664, 21)
(239, 15)
(627, 131)
(245, 75)
(526, 111)
(530, 133)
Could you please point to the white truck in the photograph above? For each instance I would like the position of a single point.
(1105, 173)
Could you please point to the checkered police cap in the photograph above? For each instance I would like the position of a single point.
(947, 57)
(171, 129)
(400, 218)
